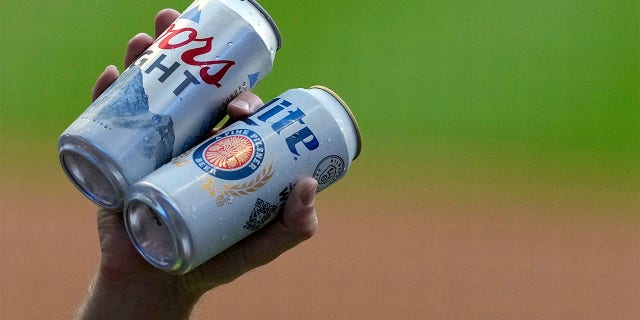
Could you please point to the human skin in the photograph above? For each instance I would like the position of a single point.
(127, 287)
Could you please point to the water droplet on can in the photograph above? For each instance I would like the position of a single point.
(229, 44)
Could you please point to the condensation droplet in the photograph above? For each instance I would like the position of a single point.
(223, 237)
(229, 44)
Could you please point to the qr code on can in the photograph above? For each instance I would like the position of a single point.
(260, 214)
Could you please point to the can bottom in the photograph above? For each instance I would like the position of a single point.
(150, 235)
(94, 175)
(156, 229)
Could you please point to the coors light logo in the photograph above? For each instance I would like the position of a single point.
(195, 50)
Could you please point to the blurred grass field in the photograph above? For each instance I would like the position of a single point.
(525, 108)
(532, 94)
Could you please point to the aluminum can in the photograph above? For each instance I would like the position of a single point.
(237, 181)
(169, 98)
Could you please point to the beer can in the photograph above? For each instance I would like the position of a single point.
(169, 98)
(237, 181)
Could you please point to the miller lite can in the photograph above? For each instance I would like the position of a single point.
(169, 98)
(237, 181)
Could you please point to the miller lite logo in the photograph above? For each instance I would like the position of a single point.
(232, 155)
(287, 120)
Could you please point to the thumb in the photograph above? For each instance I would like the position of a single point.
(297, 223)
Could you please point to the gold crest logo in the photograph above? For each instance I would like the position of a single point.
(230, 152)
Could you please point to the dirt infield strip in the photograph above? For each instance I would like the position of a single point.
(422, 263)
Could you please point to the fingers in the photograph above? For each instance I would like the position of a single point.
(107, 77)
(299, 217)
(135, 47)
(297, 223)
(141, 41)
(164, 19)
(243, 105)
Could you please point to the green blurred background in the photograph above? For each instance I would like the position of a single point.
(498, 97)
(511, 107)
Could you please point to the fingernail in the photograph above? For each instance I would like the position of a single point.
(241, 104)
(111, 67)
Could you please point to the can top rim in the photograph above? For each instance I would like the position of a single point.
(266, 15)
(346, 108)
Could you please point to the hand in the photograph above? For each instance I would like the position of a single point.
(127, 287)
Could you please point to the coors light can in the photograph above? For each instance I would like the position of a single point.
(237, 181)
(169, 98)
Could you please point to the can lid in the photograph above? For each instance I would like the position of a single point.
(346, 108)
(271, 22)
